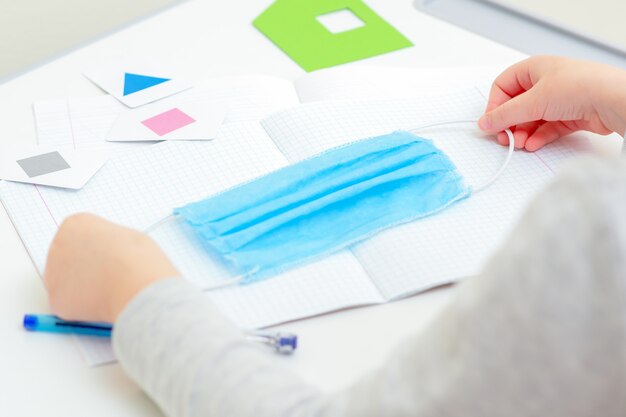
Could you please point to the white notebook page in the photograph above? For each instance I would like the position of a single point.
(79, 123)
(140, 188)
(162, 176)
(452, 244)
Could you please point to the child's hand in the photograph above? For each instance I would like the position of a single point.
(545, 98)
(95, 268)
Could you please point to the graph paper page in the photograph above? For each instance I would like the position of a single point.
(142, 187)
(83, 123)
(451, 244)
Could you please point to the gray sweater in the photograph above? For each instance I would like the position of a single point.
(541, 332)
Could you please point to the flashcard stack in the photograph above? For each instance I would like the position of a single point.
(156, 105)
(159, 105)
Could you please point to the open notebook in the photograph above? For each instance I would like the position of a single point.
(140, 186)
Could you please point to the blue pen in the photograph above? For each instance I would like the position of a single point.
(283, 343)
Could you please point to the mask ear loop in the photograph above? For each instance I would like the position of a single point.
(158, 224)
(497, 175)
(229, 282)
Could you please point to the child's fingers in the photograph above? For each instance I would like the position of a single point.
(523, 132)
(497, 97)
(524, 108)
(520, 138)
(502, 138)
(512, 82)
(520, 132)
(546, 133)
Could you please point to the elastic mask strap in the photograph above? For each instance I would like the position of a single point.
(158, 224)
(229, 282)
(508, 132)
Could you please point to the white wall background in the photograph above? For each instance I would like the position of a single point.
(32, 31)
(605, 19)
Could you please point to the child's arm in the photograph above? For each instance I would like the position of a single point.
(95, 267)
(545, 98)
(542, 331)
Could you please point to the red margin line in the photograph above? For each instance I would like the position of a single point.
(69, 118)
(46, 204)
(544, 162)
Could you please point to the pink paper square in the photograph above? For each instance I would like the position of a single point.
(168, 121)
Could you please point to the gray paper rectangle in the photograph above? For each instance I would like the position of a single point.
(46, 163)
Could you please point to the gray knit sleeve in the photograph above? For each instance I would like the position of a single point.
(542, 331)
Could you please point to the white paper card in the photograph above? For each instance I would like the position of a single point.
(136, 84)
(49, 166)
(168, 119)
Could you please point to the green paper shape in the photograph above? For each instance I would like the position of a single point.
(293, 26)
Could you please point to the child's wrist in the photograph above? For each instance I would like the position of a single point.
(611, 103)
(130, 288)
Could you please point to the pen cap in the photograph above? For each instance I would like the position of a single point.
(34, 322)
(54, 324)
(31, 322)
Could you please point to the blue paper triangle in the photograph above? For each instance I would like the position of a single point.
(136, 82)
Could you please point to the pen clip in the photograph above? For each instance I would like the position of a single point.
(282, 342)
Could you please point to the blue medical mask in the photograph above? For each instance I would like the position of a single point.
(325, 203)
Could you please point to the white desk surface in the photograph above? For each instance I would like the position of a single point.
(44, 375)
